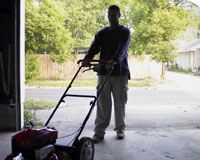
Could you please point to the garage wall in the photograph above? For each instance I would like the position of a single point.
(11, 65)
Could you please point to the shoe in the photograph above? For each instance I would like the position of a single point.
(120, 134)
(97, 139)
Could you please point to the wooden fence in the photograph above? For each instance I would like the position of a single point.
(141, 67)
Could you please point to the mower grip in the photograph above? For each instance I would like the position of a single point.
(92, 60)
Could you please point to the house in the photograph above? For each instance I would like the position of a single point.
(81, 50)
(189, 56)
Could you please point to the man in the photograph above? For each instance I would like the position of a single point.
(112, 42)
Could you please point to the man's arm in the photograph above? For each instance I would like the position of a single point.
(121, 51)
(94, 48)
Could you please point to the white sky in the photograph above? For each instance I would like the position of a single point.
(196, 2)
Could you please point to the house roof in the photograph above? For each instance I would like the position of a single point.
(192, 46)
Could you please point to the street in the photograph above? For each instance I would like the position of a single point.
(179, 89)
(135, 96)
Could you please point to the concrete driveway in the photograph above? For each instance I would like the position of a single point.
(154, 132)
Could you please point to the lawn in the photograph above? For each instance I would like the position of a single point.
(85, 83)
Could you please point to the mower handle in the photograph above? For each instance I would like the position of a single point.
(93, 60)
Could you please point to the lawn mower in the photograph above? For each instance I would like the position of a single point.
(39, 143)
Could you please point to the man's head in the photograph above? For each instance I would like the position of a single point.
(114, 15)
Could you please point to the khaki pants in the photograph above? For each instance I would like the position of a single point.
(117, 88)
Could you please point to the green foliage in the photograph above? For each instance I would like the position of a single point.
(31, 67)
(175, 68)
(45, 28)
(61, 26)
(84, 19)
(163, 52)
(28, 116)
(34, 104)
(157, 24)
(59, 58)
(30, 105)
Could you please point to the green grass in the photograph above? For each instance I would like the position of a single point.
(43, 83)
(30, 105)
(85, 83)
(39, 104)
(181, 70)
(140, 83)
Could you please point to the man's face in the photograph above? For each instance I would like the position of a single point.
(113, 17)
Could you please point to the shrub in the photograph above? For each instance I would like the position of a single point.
(31, 67)
(175, 68)
(28, 116)
(30, 105)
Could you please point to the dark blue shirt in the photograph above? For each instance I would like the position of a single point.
(113, 45)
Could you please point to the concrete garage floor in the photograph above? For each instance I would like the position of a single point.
(154, 132)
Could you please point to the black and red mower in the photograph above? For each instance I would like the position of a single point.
(39, 143)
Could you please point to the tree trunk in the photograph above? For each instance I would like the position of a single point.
(163, 71)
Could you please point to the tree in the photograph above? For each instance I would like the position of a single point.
(45, 30)
(83, 20)
(156, 25)
(163, 30)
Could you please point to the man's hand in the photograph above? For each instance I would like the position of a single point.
(110, 64)
(85, 64)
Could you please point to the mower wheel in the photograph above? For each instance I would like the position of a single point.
(85, 149)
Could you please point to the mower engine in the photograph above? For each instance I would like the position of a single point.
(42, 153)
(34, 143)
